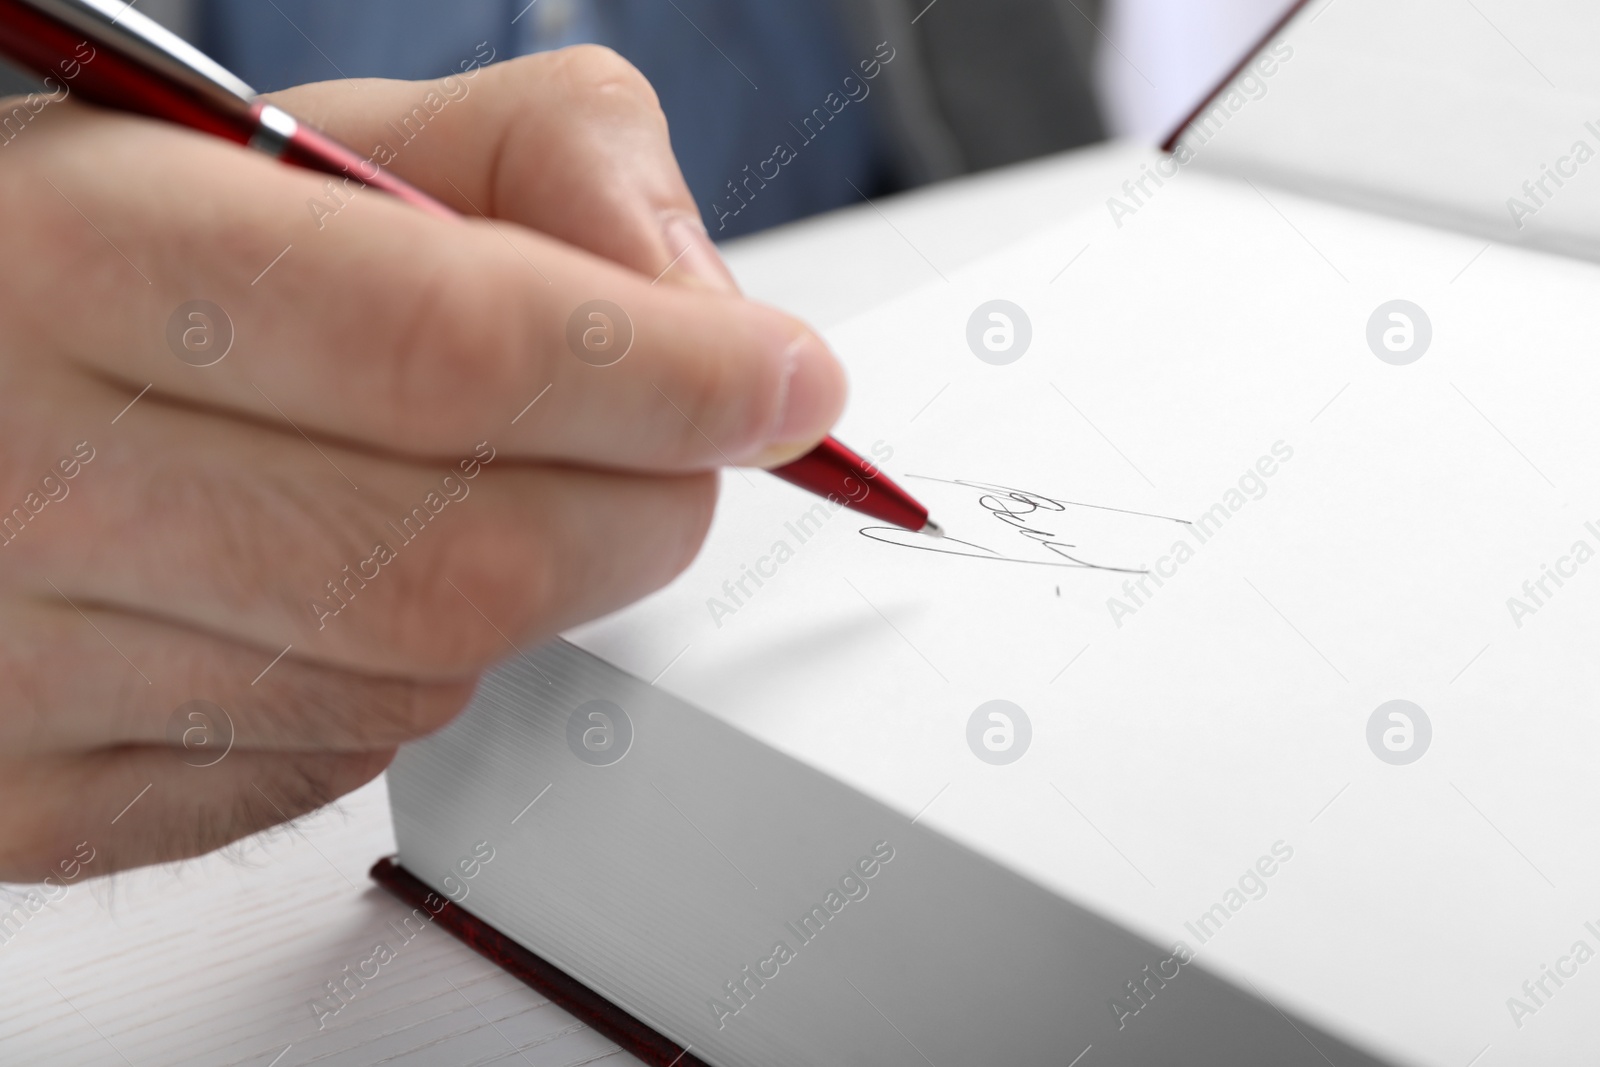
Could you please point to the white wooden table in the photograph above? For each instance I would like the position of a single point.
(216, 961)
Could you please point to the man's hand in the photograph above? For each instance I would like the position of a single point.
(229, 587)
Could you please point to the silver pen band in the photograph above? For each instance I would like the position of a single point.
(274, 130)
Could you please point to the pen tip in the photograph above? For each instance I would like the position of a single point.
(932, 529)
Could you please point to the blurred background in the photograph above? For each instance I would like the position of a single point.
(783, 108)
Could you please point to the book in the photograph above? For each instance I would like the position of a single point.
(1244, 713)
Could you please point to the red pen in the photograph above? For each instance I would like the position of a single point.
(136, 65)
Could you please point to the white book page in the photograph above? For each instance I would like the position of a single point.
(1353, 528)
(1480, 116)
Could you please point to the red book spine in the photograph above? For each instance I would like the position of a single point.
(578, 999)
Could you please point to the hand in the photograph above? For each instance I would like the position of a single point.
(398, 468)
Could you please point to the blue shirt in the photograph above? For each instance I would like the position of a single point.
(736, 78)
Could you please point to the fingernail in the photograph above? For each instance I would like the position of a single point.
(812, 396)
(696, 256)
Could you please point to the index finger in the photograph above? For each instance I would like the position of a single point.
(377, 324)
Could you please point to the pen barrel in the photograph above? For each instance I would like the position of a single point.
(837, 474)
(68, 63)
(102, 71)
(314, 150)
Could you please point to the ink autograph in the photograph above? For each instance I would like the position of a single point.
(1041, 519)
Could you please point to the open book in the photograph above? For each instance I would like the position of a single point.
(1246, 714)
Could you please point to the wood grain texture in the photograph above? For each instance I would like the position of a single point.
(219, 960)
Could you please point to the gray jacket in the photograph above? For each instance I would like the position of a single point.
(980, 83)
(987, 82)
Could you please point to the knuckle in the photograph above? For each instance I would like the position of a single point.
(274, 547)
(246, 517)
(596, 72)
(475, 593)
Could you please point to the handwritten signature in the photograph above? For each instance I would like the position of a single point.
(1031, 515)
